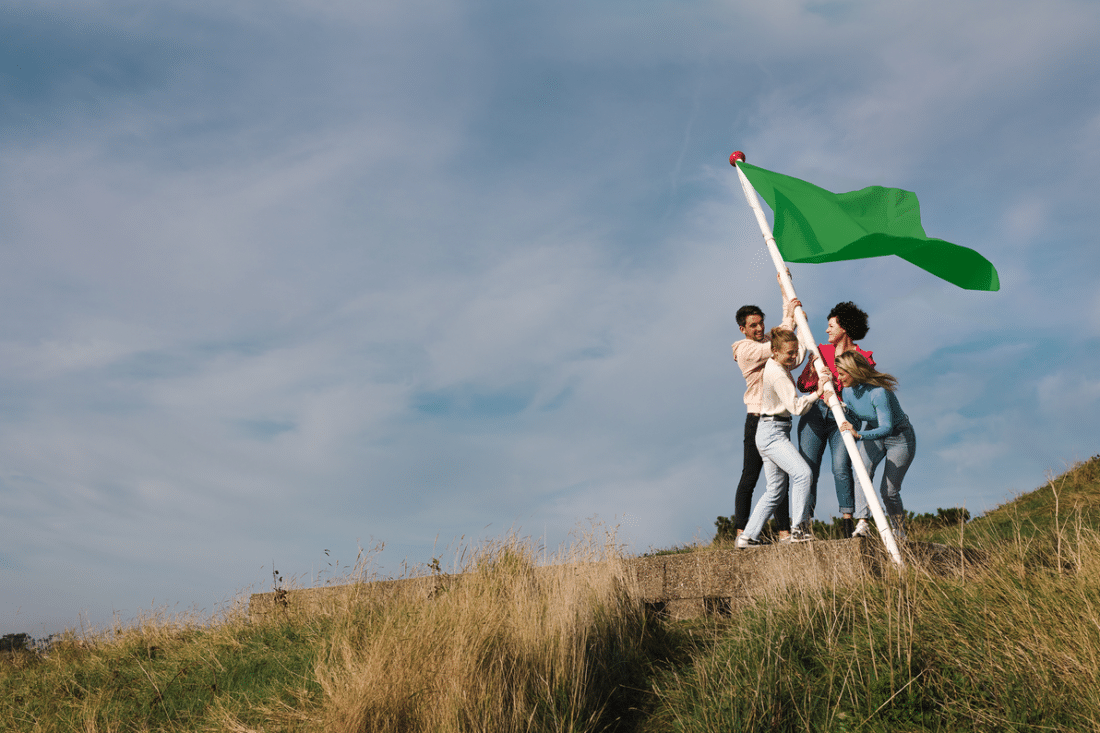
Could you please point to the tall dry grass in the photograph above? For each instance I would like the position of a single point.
(506, 645)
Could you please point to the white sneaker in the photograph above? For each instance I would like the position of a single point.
(863, 529)
(898, 525)
(744, 542)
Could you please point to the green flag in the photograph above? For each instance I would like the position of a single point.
(815, 225)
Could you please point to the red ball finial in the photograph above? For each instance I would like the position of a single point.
(737, 156)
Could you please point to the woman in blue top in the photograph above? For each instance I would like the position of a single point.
(869, 395)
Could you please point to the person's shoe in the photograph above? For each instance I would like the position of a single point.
(801, 535)
(846, 526)
(784, 539)
(863, 529)
(744, 542)
(898, 525)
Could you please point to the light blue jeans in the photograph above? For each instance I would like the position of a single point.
(898, 450)
(816, 429)
(784, 469)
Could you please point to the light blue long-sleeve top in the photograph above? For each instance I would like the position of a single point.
(875, 404)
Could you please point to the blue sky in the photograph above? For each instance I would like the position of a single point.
(287, 277)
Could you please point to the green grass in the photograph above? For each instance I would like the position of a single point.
(162, 674)
(1065, 500)
(1011, 645)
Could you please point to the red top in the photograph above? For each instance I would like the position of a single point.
(807, 382)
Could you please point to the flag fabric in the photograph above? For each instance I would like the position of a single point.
(815, 225)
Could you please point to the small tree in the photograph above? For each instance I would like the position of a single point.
(953, 516)
(14, 642)
(726, 532)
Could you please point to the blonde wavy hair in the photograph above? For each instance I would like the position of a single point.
(860, 370)
(780, 336)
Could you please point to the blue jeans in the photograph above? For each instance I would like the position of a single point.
(750, 474)
(898, 450)
(784, 469)
(816, 428)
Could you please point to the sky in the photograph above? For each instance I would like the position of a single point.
(287, 284)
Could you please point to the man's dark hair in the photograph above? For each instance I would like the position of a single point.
(745, 311)
(851, 319)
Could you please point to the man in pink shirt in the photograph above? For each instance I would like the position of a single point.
(751, 354)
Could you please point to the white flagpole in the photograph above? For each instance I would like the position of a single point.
(823, 373)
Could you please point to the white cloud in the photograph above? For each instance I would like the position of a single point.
(1068, 397)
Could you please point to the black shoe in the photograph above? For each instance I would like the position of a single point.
(846, 527)
(801, 535)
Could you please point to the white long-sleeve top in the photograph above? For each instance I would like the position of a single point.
(779, 396)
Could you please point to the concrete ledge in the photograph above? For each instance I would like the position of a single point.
(679, 586)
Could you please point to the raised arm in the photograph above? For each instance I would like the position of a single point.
(788, 312)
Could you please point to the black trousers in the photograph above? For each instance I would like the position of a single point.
(750, 474)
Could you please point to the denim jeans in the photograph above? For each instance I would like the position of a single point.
(816, 428)
(898, 450)
(750, 474)
(783, 468)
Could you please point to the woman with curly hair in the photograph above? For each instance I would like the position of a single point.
(847, 324)
(869, 396)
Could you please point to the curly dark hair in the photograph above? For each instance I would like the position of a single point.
(745, 311)
(851, 319)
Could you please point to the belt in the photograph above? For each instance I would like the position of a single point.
(775, 418)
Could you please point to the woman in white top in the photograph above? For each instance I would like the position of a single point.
(783, 466)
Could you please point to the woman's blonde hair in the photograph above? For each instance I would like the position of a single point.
(860, 369)
(780, 336)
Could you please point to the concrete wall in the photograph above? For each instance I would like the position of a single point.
(690, 585)
(685, 585)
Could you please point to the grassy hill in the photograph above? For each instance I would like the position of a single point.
(1012, 645)
(1062, 504)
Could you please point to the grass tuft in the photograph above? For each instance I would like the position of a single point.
(505, 646)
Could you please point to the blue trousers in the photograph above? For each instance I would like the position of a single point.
(898, 451)
(816, 429)
(784, 469)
